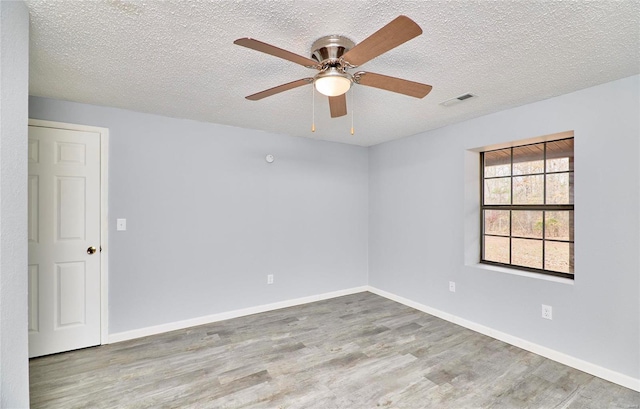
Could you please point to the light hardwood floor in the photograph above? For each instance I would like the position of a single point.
(356, 352)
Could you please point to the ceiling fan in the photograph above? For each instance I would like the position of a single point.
(333, 56)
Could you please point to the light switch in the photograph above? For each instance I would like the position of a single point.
(121, 224)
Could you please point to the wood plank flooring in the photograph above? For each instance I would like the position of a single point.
(356, 352)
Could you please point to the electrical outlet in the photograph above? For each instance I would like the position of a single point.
(547, 312)
(452, 286)
(269, 278)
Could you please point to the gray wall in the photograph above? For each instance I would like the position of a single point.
(424, 217)
(208, 218)
(14, 80)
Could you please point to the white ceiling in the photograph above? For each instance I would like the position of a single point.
(177, 58)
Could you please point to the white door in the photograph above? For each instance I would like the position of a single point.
(64, 226)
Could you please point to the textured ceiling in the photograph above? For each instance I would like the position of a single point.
(177, 58)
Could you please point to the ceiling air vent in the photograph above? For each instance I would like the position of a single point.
(458, 99)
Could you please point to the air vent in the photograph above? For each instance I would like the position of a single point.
(458, 99)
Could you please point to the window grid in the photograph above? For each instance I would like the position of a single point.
(544, 199)
(544, 208)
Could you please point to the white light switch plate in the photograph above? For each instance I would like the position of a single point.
(121, 224)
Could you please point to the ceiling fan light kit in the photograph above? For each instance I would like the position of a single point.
(334, 55)
(332, 82)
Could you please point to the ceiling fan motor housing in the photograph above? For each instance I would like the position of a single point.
(330, 49)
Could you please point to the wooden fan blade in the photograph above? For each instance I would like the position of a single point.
(279, 89)
(338, 105)
(393, 84)
(397, 32)
(275, 51)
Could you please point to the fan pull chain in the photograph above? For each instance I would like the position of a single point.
(352, 106)
(313, 108)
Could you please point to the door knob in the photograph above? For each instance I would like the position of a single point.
(91, 250)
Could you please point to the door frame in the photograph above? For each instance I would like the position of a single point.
(104, 213)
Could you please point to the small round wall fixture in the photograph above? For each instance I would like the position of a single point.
(269, 158)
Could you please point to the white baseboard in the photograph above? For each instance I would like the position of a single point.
(208, 319)
(588, 367)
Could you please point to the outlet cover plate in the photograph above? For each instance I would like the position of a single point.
(547, 312)
(452, 286)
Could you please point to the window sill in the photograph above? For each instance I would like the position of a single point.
(523, 273)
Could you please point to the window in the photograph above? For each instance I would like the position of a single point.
(527, 207)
